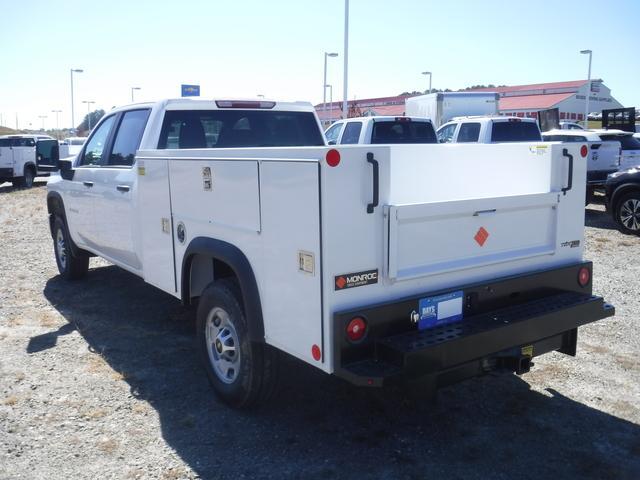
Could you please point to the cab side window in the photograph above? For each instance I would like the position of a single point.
(351, 133)
(333, 133)
(97, 144)
(128, 138)
(445, 134)
(469, 132)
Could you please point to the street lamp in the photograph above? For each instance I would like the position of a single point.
(586, 104)
(330, 87)
(73, 120)
(43, 118)
(132, 89)
(428, 73)
(57, 123)
(345, 113)
(324, 90)
(88, 102)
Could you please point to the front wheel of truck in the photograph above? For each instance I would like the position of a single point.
(243, 373)
(70, 266)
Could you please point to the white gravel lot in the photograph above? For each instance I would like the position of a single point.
(98, 379)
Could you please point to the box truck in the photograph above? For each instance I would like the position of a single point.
(442, 107)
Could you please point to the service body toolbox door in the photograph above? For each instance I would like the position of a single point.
(6, 158)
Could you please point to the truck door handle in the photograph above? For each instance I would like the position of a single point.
(123, 188)
(565, 153)
(376, 186)
(88, 184)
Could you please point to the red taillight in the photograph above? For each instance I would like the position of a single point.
(356, 329)
(584, 276)
(244, 104)
(584, 150)
(333, 158)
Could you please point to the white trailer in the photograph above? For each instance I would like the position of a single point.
(444, 106)
(376, 263)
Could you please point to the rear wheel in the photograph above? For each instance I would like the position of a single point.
(627, 213)
(243, 373)
(27, 180)
(70, 266)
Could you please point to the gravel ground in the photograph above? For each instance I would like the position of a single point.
(99, 379)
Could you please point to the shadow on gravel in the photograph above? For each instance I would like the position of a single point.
(321, 427)
(599, 218)
(8, 187)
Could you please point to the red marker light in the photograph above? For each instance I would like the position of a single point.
(584, 150)
(584, 276)
(333, 157)
(356, 329)
(316, 353)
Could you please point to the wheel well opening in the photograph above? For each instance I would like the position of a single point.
(204, 270)
(623, 192)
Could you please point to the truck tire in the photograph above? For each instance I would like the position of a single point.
(242, 373)
(70, 266)
(627, 213)
(27, 180)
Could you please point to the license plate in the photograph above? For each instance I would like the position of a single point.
(440, 310)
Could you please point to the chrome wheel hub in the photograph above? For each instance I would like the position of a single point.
(61, 249)
(630, 214)
(223, 345)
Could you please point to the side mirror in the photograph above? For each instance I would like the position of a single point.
(66, 169)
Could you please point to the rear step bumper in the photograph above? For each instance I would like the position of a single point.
(504, 338)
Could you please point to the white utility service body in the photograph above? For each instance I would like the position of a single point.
(23, 157)
(328, 232)
(443, 106)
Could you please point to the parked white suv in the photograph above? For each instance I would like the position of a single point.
(381, 130)
(489, 129)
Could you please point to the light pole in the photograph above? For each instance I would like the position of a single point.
(428, 73)
(57, 123)
(345, 112)
(88, 102)
(330, 99)
(132, 89)
(324, 90)
(586, 103)
(73, 120)
(43, 118)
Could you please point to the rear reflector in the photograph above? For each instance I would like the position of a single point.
(356, 329)
(244, 104)
(316, 353)
(584, 150)
(333, 157)
(584, 276)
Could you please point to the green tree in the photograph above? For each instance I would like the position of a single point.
(95, 117)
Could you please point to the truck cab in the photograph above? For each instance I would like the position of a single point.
(381, 130)
(489, 129)
(23, 157)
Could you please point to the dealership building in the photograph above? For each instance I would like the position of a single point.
(520, 100)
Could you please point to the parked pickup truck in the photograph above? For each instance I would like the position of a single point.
(375, 263)
(489, 129)
(381, 130)
(23, 157)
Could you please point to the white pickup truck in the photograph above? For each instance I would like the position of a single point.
(376, 263)
(489, 129)
(23, 157)
(381, 130)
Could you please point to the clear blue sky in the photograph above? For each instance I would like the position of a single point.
(243, 48)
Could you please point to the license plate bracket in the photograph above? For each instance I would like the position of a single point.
(440, 309)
